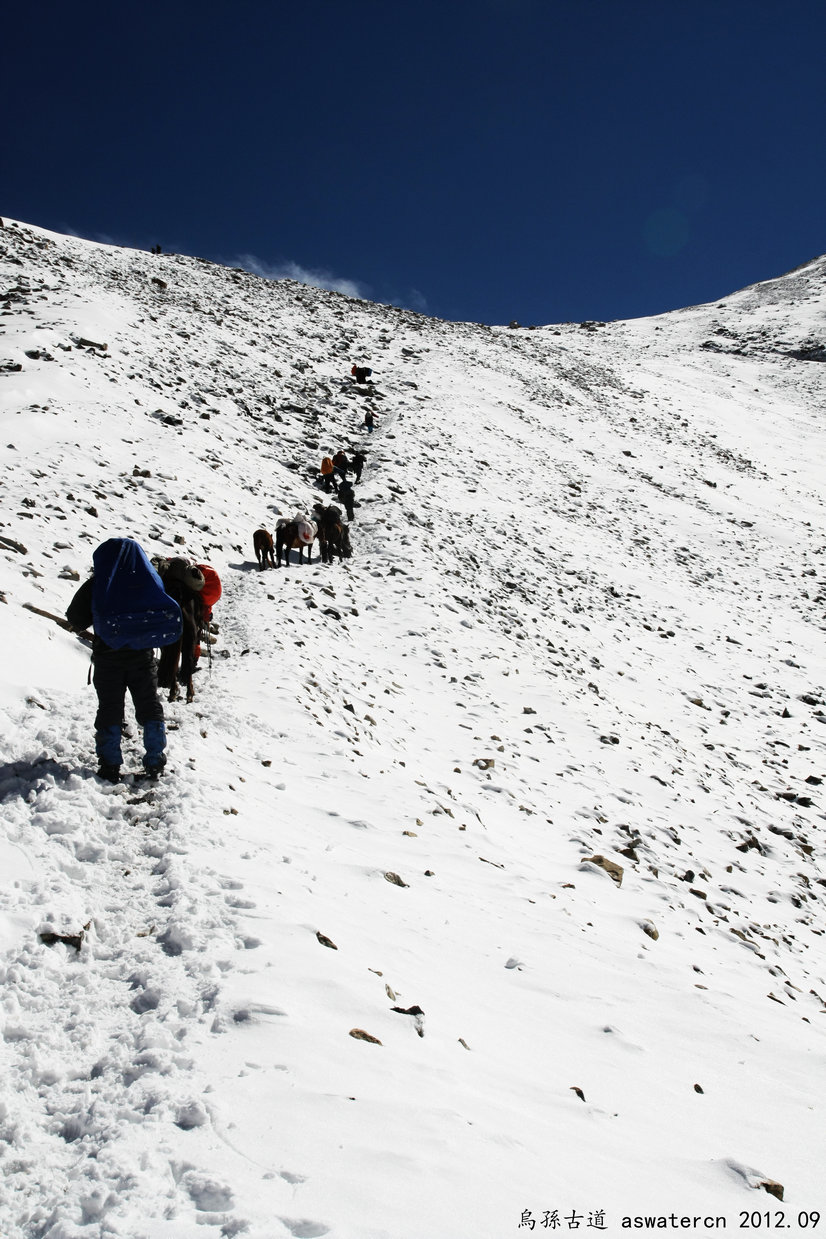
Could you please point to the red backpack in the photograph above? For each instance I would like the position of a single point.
(212, 587)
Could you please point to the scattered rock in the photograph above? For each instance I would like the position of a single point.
(361, 1035)
(649, 928)
(50, 938)
(395, 879)
(772, 1187)
(418, 1016)
(325, 941)
(10, 545)
(613, 870)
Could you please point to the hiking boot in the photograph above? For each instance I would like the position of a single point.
(111, 774)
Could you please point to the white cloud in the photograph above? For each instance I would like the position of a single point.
(294, 271)
(416, 301)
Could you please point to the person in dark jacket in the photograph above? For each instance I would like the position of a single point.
(357, 463)
(347, 496)
(115, 671)
(341, 464)
(369, 421)
(361, 373)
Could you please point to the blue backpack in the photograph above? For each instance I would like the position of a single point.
(130, 607)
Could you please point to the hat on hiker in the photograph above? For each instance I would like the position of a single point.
(194, 577)
(188, 574)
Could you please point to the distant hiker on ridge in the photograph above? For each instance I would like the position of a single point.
(369, 421)
(132, 614)
(361, 373)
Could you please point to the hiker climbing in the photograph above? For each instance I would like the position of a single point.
(361, 373)
(347, 496)
(341, 464)
(328, 479)
(132, 614)
(357, 463)
(369, 421)
(184, 582)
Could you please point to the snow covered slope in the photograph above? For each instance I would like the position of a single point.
(582, 628)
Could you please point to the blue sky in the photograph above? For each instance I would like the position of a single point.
(487, 160)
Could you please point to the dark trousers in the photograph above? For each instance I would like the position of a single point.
(119, 670)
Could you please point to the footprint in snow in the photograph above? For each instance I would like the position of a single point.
(207, 1194)
(303, 1229)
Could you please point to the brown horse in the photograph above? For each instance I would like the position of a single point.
(297, 534)
(262, 541)
(333, 534)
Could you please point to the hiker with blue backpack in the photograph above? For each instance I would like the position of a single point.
(131, 613)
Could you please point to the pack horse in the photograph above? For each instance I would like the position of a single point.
(294, 534)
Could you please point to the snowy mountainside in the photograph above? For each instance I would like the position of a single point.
(583, 618)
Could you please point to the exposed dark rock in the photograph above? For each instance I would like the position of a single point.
(772, 1187)
(49, 938)
(10, 545)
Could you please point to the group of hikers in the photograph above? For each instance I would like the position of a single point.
(136, 605)
(333, 476)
